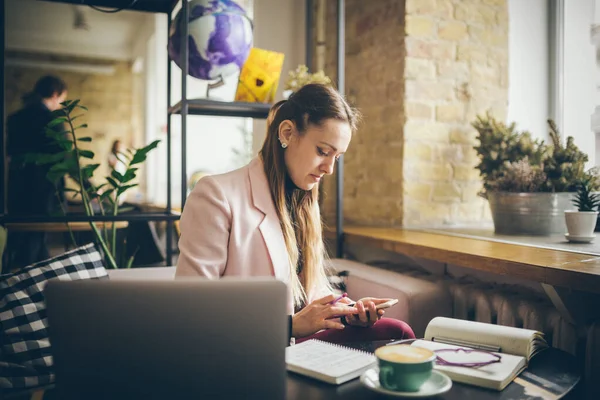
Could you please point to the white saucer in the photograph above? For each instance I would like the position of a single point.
(580, 239)
(438, 383)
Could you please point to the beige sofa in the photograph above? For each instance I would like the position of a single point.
(419, 299)
(154, 273)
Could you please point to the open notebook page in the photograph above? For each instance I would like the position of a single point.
(492, 376)
(327, 362)
(517, 341)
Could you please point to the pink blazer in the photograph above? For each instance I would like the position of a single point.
(229, 227)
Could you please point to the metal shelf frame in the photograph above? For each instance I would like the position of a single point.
(341, 86)
(184, 107)
(223, 108)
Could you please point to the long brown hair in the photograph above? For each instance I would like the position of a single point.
(312, 104)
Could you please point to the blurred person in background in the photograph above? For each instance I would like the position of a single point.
(29, 191)
(116, 157)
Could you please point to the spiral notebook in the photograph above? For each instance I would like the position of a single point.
(327, 362)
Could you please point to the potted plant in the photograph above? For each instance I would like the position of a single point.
(104, 197)
(582, 221)
(527, 183)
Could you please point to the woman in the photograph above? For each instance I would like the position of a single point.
(264, 220)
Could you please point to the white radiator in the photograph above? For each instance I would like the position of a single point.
(501, 304)
(512, 306)
(516, 306)
(592, 360)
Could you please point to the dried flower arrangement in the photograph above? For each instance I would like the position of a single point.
(301, 77)
(519, 176)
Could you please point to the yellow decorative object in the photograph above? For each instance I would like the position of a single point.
(259, 77)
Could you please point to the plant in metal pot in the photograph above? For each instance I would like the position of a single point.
(564, 165)
(102, 199)
(527, 183)
(499, 146)
(582, 221)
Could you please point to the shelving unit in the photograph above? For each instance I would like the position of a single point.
(184, 107)
(223, 108)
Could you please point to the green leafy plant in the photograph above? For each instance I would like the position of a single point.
(64, 132)
(585, 200)
(565, 165)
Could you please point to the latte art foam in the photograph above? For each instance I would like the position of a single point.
(403, 353)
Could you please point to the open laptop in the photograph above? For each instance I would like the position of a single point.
(193, 338)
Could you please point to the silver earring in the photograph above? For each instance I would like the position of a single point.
(284, 145)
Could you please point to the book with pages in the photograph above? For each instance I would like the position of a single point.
(514, 346)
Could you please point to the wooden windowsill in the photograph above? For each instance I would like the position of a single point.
(576, 270)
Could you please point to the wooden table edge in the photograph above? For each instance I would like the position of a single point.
(61, 226)
(572, 270)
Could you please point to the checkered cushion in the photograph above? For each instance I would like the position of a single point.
(25, 354)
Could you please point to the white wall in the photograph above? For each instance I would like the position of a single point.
(279, 25)
(41, 26)
(579, 75)
(528, 66)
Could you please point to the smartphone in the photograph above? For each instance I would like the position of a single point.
(380, 306)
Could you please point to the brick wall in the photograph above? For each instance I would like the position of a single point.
(420, 72)
(373, 164)
(456, 67)
(113, 113)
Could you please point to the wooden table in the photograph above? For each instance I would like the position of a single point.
(77, 228)
(61, 226)
(551, 375)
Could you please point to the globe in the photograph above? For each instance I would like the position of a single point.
(219, 41)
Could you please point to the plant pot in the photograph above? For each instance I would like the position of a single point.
(581, 223)
(535, 214)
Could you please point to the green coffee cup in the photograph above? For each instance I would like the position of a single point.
(404, 368)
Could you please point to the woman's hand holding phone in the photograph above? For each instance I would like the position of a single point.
(370, 310)
(320, 314)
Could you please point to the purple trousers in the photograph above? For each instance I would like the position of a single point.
(384, 329)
